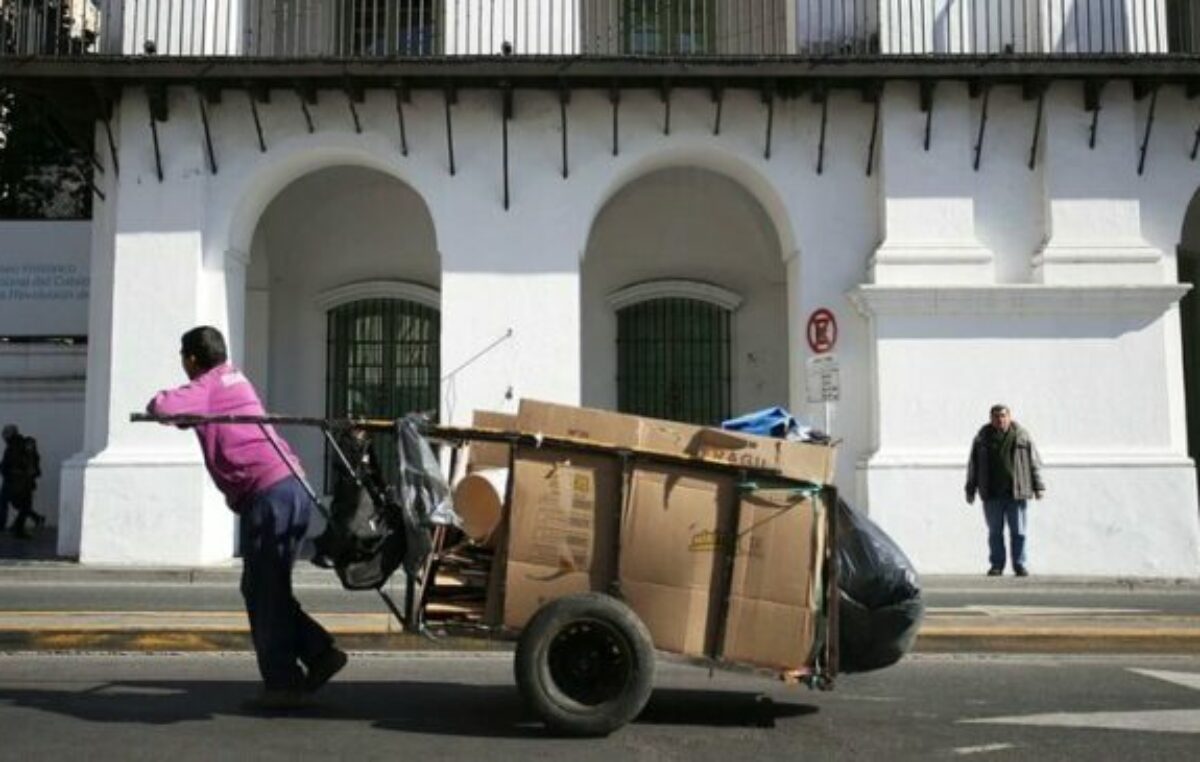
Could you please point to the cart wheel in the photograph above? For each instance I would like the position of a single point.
(585, 664)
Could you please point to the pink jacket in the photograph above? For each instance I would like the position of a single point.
(241, 460)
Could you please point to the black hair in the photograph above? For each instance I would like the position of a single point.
(999, 408)
(206, 345)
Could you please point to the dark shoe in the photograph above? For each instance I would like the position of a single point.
(278, 700)
(324, 667)
(1021, 571)
(995, 572)
(21, 535)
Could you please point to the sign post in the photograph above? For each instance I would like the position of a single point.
(823, 376)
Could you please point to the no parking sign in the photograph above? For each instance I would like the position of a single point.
(822, 331)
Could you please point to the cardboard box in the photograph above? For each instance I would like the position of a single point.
(569, 422)
(673, 529)
(490, 454)
(562, 528)
(795, 460)
(777, 579)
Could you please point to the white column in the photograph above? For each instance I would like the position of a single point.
(928, 196)
(139, 493)
(1093, 193)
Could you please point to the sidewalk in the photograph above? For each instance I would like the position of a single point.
(55, 605)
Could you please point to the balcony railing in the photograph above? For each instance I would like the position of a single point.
(600, 28)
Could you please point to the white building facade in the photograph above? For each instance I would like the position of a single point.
(977, 239)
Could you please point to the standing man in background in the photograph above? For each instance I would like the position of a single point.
(248, 464)
(1006, 471)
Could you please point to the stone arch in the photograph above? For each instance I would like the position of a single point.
(699, 215)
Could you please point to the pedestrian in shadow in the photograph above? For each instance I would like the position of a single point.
(20, 469)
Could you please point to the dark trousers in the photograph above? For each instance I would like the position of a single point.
(273, 524)
(22, 500)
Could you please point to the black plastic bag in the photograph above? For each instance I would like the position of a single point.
(364, 539)
(880, 606)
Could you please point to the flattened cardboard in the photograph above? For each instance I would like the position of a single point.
(490, 454)
(561, 528)
(795, 460)
(675, 524)
(569, 422)
(776, 580)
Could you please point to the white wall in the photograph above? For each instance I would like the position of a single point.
(1046, 327)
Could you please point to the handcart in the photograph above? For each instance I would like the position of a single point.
(585, 660)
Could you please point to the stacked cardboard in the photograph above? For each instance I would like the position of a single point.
(670, 559)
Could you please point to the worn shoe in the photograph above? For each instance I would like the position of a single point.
(278, 700)
(1021, 571)
(324, 667)
(995, 572)
(21, 535)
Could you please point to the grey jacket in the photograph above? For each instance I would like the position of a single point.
(1026, 466)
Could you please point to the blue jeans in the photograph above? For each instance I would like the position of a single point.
(274, 522)
(998, 513)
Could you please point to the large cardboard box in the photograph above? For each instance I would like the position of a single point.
(490, 454)
(562, 528)
(795, 460)
(674, 526)
(569, 422)
(776, 584)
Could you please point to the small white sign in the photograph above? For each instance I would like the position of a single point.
(824, 381)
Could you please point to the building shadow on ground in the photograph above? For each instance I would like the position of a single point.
(457, 709)
(42, 545)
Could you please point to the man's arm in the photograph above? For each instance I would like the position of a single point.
(189, 399)
(1035, 471)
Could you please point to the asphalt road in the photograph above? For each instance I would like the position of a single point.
(184, 707)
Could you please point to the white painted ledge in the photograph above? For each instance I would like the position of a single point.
(1016, 300)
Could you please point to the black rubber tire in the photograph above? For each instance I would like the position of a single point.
(585, 664)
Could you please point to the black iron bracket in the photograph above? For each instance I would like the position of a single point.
(403, 95)
(614, 97)
(1092, 89)
(1031, 90)
(451, 97)
(975, 90)
(718, 98)
(819, 95)
(768, 97)
(106, 98)
(258, 94)
(156, 100)
(208, 144)
(564, 99)
(925, 98)
(307, 94)
(873, 93)
(664, 93)
(355, 93)
(1140, 91)
(506, 113)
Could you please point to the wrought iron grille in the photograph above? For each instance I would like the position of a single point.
(673, 360)
(383, 361)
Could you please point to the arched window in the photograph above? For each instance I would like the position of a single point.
(383, 361)
(673, 350)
